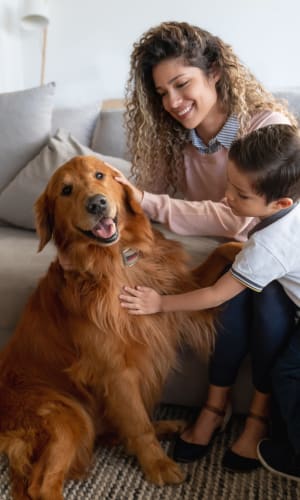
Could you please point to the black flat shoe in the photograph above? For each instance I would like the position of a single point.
(238, 463)
(190, 452)
(235, 462)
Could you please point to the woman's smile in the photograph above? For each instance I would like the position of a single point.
(185, 112)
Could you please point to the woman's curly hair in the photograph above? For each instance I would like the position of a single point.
(156, 141)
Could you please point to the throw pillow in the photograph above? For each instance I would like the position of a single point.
(18, 198)
(26, 124)
(80, 121)
(109, 135)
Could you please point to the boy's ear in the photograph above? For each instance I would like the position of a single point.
(283, 203)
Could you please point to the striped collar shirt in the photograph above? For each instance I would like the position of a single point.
(224, 138)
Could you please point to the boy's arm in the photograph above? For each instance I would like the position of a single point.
(144, 300)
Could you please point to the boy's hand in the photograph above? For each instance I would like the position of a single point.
(141, 300)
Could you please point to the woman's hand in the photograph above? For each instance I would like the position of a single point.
(138, 195)
(141, 300)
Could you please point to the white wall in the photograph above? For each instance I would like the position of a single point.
(89, 42)
(11, 64)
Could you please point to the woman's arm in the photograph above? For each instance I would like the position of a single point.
(197, 218)
(144, 300)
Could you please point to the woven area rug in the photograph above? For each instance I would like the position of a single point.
(116, 476)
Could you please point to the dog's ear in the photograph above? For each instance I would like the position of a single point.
(43, 220)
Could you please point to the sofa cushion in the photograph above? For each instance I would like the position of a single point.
(80, 121)
(18, 198)
(109, 135)
(26, 118)
(21, 269)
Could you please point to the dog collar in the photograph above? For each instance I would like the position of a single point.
(130, 256)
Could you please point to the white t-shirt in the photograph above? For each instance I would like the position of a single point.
(272, 253)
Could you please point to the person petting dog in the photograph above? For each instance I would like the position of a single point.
(188, 96)
(263, 181)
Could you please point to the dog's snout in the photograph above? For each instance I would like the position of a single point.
(96, 204)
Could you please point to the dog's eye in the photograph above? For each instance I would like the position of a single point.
(99, 175)
(67, 190)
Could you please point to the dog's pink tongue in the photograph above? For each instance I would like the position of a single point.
(104, 228)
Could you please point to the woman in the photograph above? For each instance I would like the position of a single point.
(188, 98)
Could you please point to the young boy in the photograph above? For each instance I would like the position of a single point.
(263, 174)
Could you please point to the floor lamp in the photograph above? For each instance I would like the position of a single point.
(35, 16)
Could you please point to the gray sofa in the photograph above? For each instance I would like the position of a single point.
(31, 148)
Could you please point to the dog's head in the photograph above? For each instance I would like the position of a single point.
(83, 201)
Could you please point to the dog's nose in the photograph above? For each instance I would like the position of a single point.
(96, 204)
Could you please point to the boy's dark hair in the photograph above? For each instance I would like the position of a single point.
(271, 155)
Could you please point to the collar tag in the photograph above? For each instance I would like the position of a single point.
(130, 256)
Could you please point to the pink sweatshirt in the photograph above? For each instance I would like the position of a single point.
(204, 211)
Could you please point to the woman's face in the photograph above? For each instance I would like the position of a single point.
(187, 94)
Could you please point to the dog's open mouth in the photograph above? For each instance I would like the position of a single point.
(105, 231)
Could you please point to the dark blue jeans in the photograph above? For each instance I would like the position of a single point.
(286, 389)
(259, 323)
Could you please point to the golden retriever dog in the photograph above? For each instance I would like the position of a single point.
(79, 366)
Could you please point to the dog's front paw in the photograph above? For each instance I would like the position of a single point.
(164, 471)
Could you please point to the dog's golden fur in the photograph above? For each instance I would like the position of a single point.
(78, 365)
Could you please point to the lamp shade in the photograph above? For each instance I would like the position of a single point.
(35, 14)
